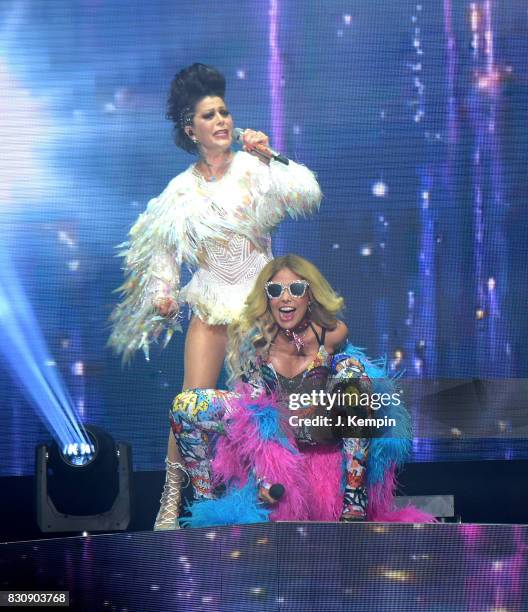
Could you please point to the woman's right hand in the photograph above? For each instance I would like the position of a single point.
(270, 494)
(165, 306)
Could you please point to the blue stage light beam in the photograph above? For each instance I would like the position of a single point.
(30, 363)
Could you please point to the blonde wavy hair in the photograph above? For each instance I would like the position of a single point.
(251, 335)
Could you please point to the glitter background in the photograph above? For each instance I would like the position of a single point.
(412, 115)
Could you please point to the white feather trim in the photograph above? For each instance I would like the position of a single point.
(250, 200)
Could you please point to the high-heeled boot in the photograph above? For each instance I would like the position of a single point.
(169, 512)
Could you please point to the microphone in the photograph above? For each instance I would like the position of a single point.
(262, 151)
(276, 491)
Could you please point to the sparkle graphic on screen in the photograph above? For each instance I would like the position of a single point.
(430, 220)
(276, 77)
(380, 189)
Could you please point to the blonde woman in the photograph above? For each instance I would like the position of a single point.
(289, 340)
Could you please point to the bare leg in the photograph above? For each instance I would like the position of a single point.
(204, 356)
(205, 347)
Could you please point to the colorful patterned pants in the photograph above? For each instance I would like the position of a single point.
(198, 417)
(355, 455)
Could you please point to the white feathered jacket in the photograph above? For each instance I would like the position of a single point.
(220, 230)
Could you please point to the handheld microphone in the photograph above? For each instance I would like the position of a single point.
(276, 491)
(262, 151)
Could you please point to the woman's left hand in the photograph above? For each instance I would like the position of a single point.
(350, 362)
(251, 139)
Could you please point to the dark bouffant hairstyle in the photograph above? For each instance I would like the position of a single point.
(188, 87)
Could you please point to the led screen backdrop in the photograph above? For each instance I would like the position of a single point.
(413, 115)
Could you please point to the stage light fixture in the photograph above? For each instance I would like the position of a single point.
(84, 486)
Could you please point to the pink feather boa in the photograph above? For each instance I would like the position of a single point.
(313, 478)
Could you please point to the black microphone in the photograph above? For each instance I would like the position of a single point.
(276, 491)
(264, 152)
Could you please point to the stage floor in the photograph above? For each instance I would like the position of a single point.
(286, 567)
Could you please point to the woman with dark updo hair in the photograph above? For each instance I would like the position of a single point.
(216, 218)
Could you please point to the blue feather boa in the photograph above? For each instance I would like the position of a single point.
(237, 506)
(395, 445)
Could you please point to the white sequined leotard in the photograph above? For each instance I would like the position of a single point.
(220, 229)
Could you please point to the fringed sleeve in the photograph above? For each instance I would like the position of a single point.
(281, 190)
(152, 270)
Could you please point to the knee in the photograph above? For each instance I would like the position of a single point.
(184, 405)
(194, 405)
